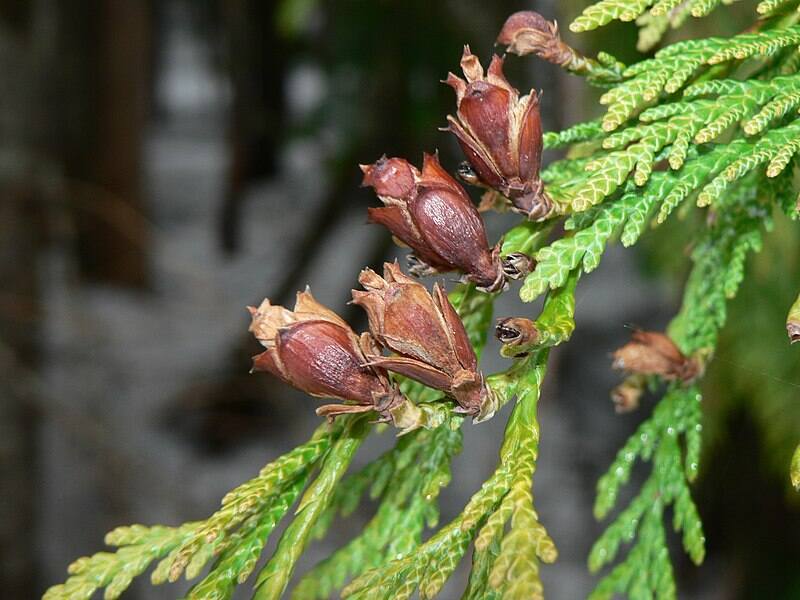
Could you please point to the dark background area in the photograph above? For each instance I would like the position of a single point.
(165, 163)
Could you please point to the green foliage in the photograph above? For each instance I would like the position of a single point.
(653, 25)
(646, 569)
(603, 12)
(407, 479)
(274, 577)
(675, 66)
(705, 131)
(582, 250)
(138, 547)
(236, 533)
(505, 495)
(756, 375)
(718, 270)
(505, 563)
(711, 120)
(622, 169)
(772, 7)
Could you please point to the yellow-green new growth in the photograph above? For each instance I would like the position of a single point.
(603, 12)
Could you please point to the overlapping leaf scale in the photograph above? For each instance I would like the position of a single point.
(138, 546)
(674, 66)
(776, 147)
(646, 570)
(662, 7)
(419, 468)
(774, 110)
(507, 492)
(701, 8)
(582, 132)
(243, 550)
(762, 44)
(584, 248)
(696, 172)
(514, 570)
(241, 503)
(603, 12)
(771, 7)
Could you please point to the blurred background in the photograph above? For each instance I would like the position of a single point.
(164, 163)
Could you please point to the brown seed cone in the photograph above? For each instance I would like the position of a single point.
(427, 336)
(430, 212)
(528, 32)
(313, 349)
(500, 135)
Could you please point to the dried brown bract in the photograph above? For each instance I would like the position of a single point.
(427, 335)
(653, 353)
(313, 349)
(431, 213)
(500, 134)
(627, 394)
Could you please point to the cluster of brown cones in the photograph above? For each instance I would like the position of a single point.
(314, 350)
(428, 210)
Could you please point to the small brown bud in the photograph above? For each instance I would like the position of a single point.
(313, 349)
(425, 332)
(793, 322)
(431, 213)
(528, 32)
(653, 353)
(627, 394)
(793, 330)
(500, 135)
(517, 335)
